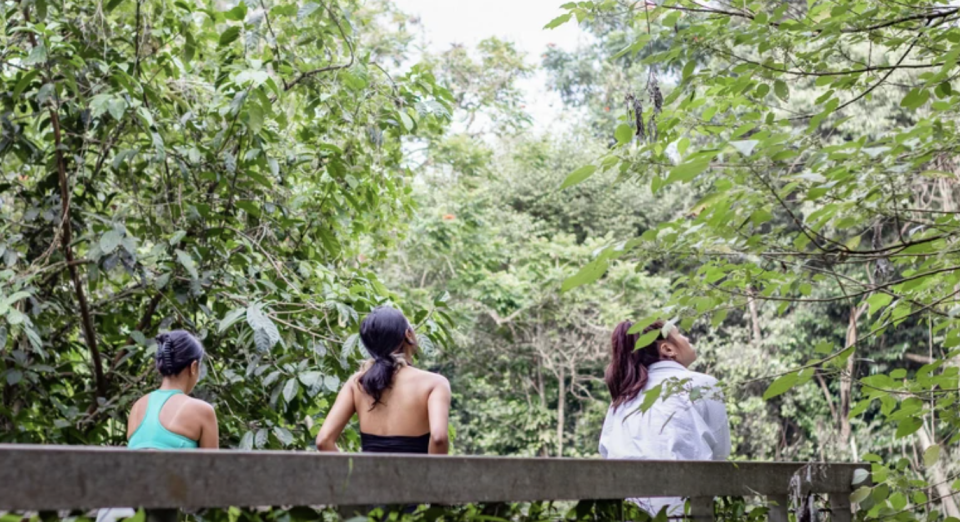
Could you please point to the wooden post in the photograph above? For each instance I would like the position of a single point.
(701, 508)
(779, 508)
(840, 507)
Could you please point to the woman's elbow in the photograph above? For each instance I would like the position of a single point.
(325, 442)
(439, 443)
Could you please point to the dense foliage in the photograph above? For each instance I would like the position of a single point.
(779, 179)
(173, 164)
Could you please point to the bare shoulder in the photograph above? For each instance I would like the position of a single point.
(140, 405)
(200, 408)
(431, 379)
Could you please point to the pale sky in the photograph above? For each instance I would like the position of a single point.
(521, 21)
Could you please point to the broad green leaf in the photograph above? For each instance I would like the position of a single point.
(650, 397)
(110, 240)
(915, 98)
(587, 274)
(644, 340)
(908, 426)
(861, 494)
(308, 9)
(878, 301)
(188, 263)
(578, 176)
(558, 21)
(229, 36)
(781, 90)
(745, 147)
(623, 134)
(406, 120)
(860, 476)
(246, 442)
(688, 171)
(283, 434)
(238, 13)
(781, 385)
(931, 455)
(230, 319)
(24, 82)
(290, 390)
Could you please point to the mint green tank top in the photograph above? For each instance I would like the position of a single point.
(150, 434)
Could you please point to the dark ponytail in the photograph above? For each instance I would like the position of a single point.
(383, 333)
(176, 351)
(626, 375)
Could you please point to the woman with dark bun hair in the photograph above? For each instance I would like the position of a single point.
(168, 418)
(402, 409)
(688, 421)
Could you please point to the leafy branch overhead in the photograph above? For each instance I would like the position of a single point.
(820, 140)
(174, 165)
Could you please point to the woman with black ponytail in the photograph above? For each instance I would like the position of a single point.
(401, 409)
(687, 421)
(168, 418)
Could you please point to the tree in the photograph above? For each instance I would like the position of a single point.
(231, 171)
(800, 206)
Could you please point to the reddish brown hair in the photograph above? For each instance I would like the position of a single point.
(626, 374)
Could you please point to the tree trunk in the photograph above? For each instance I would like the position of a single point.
(939, 477)
(754, 317)
(846, 380)
(561, 406)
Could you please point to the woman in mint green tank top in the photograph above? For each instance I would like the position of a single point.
(168, 418)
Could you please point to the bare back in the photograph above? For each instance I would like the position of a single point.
(416, 404)
(403, 409)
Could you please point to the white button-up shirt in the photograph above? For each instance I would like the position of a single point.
(687, 422)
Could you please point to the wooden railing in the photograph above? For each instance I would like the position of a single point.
(72, 477)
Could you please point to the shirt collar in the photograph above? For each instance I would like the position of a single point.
(666, 365)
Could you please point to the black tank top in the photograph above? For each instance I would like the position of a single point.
(394, 443)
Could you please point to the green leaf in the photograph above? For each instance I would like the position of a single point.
(578, 176)
(623, 134)
(744, 147)
(587, 274)
(908, 426)
(246, 442)
(311, 379)
(860, 494)
(24, 82)
(650, 397)
(406, 120)
(229, 36)
(931, 455)
(290, 390)
(915, 98)
(878, 301)
(688, 171)
(781, 385)
(781, 90)
(644, 340)
(859, 476)
(558, 21)
(188, 263)
(308, 9)
(254, 117)
(112, 4)
(110, 241)
(283, 434)
(238, 13)
(230, 319)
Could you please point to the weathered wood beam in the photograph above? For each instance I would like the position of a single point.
(73, 477)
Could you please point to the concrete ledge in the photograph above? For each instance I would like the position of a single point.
(80, 477)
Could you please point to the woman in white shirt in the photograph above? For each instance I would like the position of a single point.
(687, 422)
